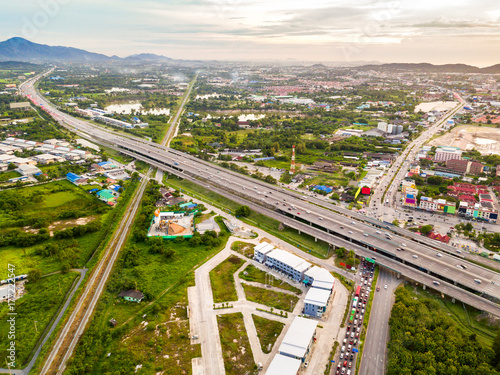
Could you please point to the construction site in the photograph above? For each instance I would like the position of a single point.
(172, 224)
(484, 139)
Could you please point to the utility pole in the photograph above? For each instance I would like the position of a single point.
(36, 329)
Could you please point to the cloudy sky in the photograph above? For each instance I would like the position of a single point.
(436, 31)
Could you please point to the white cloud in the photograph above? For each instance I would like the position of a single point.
(262, 28)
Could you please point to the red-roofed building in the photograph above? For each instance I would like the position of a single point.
(467, 198)
(439, 237)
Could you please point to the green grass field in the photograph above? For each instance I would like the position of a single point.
(276, 300)
(46, 203)
(222, 281)
(259, 276)
(41, 302)
(41, 206)
(236, 350)
(267, 332)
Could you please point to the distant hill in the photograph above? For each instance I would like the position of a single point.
(18, 65)
(147, 57)
(431, 68)
(20, 49)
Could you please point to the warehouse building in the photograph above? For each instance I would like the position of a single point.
(283, 365)
(299, 339)
(288, 264)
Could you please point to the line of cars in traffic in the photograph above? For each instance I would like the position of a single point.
(355, 321)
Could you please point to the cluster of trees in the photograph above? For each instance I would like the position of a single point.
(38, 129)
(141, 225)
(426, 341)
(243, 211)
(5, 110)
(347, 256)
(209, 239)
(18, 238)
(79, 230)
(67, 252)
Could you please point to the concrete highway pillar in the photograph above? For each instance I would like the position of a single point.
(453, 300)
(425, 287)
(315, 239)
(454, 282)
(398, 275)
(298, 231)
(428, 272)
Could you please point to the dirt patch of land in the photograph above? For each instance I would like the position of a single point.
(486, 140)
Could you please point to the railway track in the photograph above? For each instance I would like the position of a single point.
(75, 326)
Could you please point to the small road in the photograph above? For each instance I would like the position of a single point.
(377, 337)
(172, 129)
(74, 327)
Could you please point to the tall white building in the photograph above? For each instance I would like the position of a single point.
(447, 153)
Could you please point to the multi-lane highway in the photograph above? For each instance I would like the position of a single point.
(396, 250)
(374, 349)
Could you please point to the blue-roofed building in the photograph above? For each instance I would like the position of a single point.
(93, 190)
(103, 163)
(76, 179)
(326, 189)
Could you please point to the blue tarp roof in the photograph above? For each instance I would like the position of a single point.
(72, 176)
(103, 163)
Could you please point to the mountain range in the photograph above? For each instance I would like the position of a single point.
(430, 68)
(20, 49)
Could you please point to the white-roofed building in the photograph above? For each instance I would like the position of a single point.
(22, 161)
(320, 278)
(289, 264)
(283, 365)
(7, 149)
(7, 158)
(28, 170)
(261, 250)
(299, 338)
(316, 302)
(47, 158)
(72, 156)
